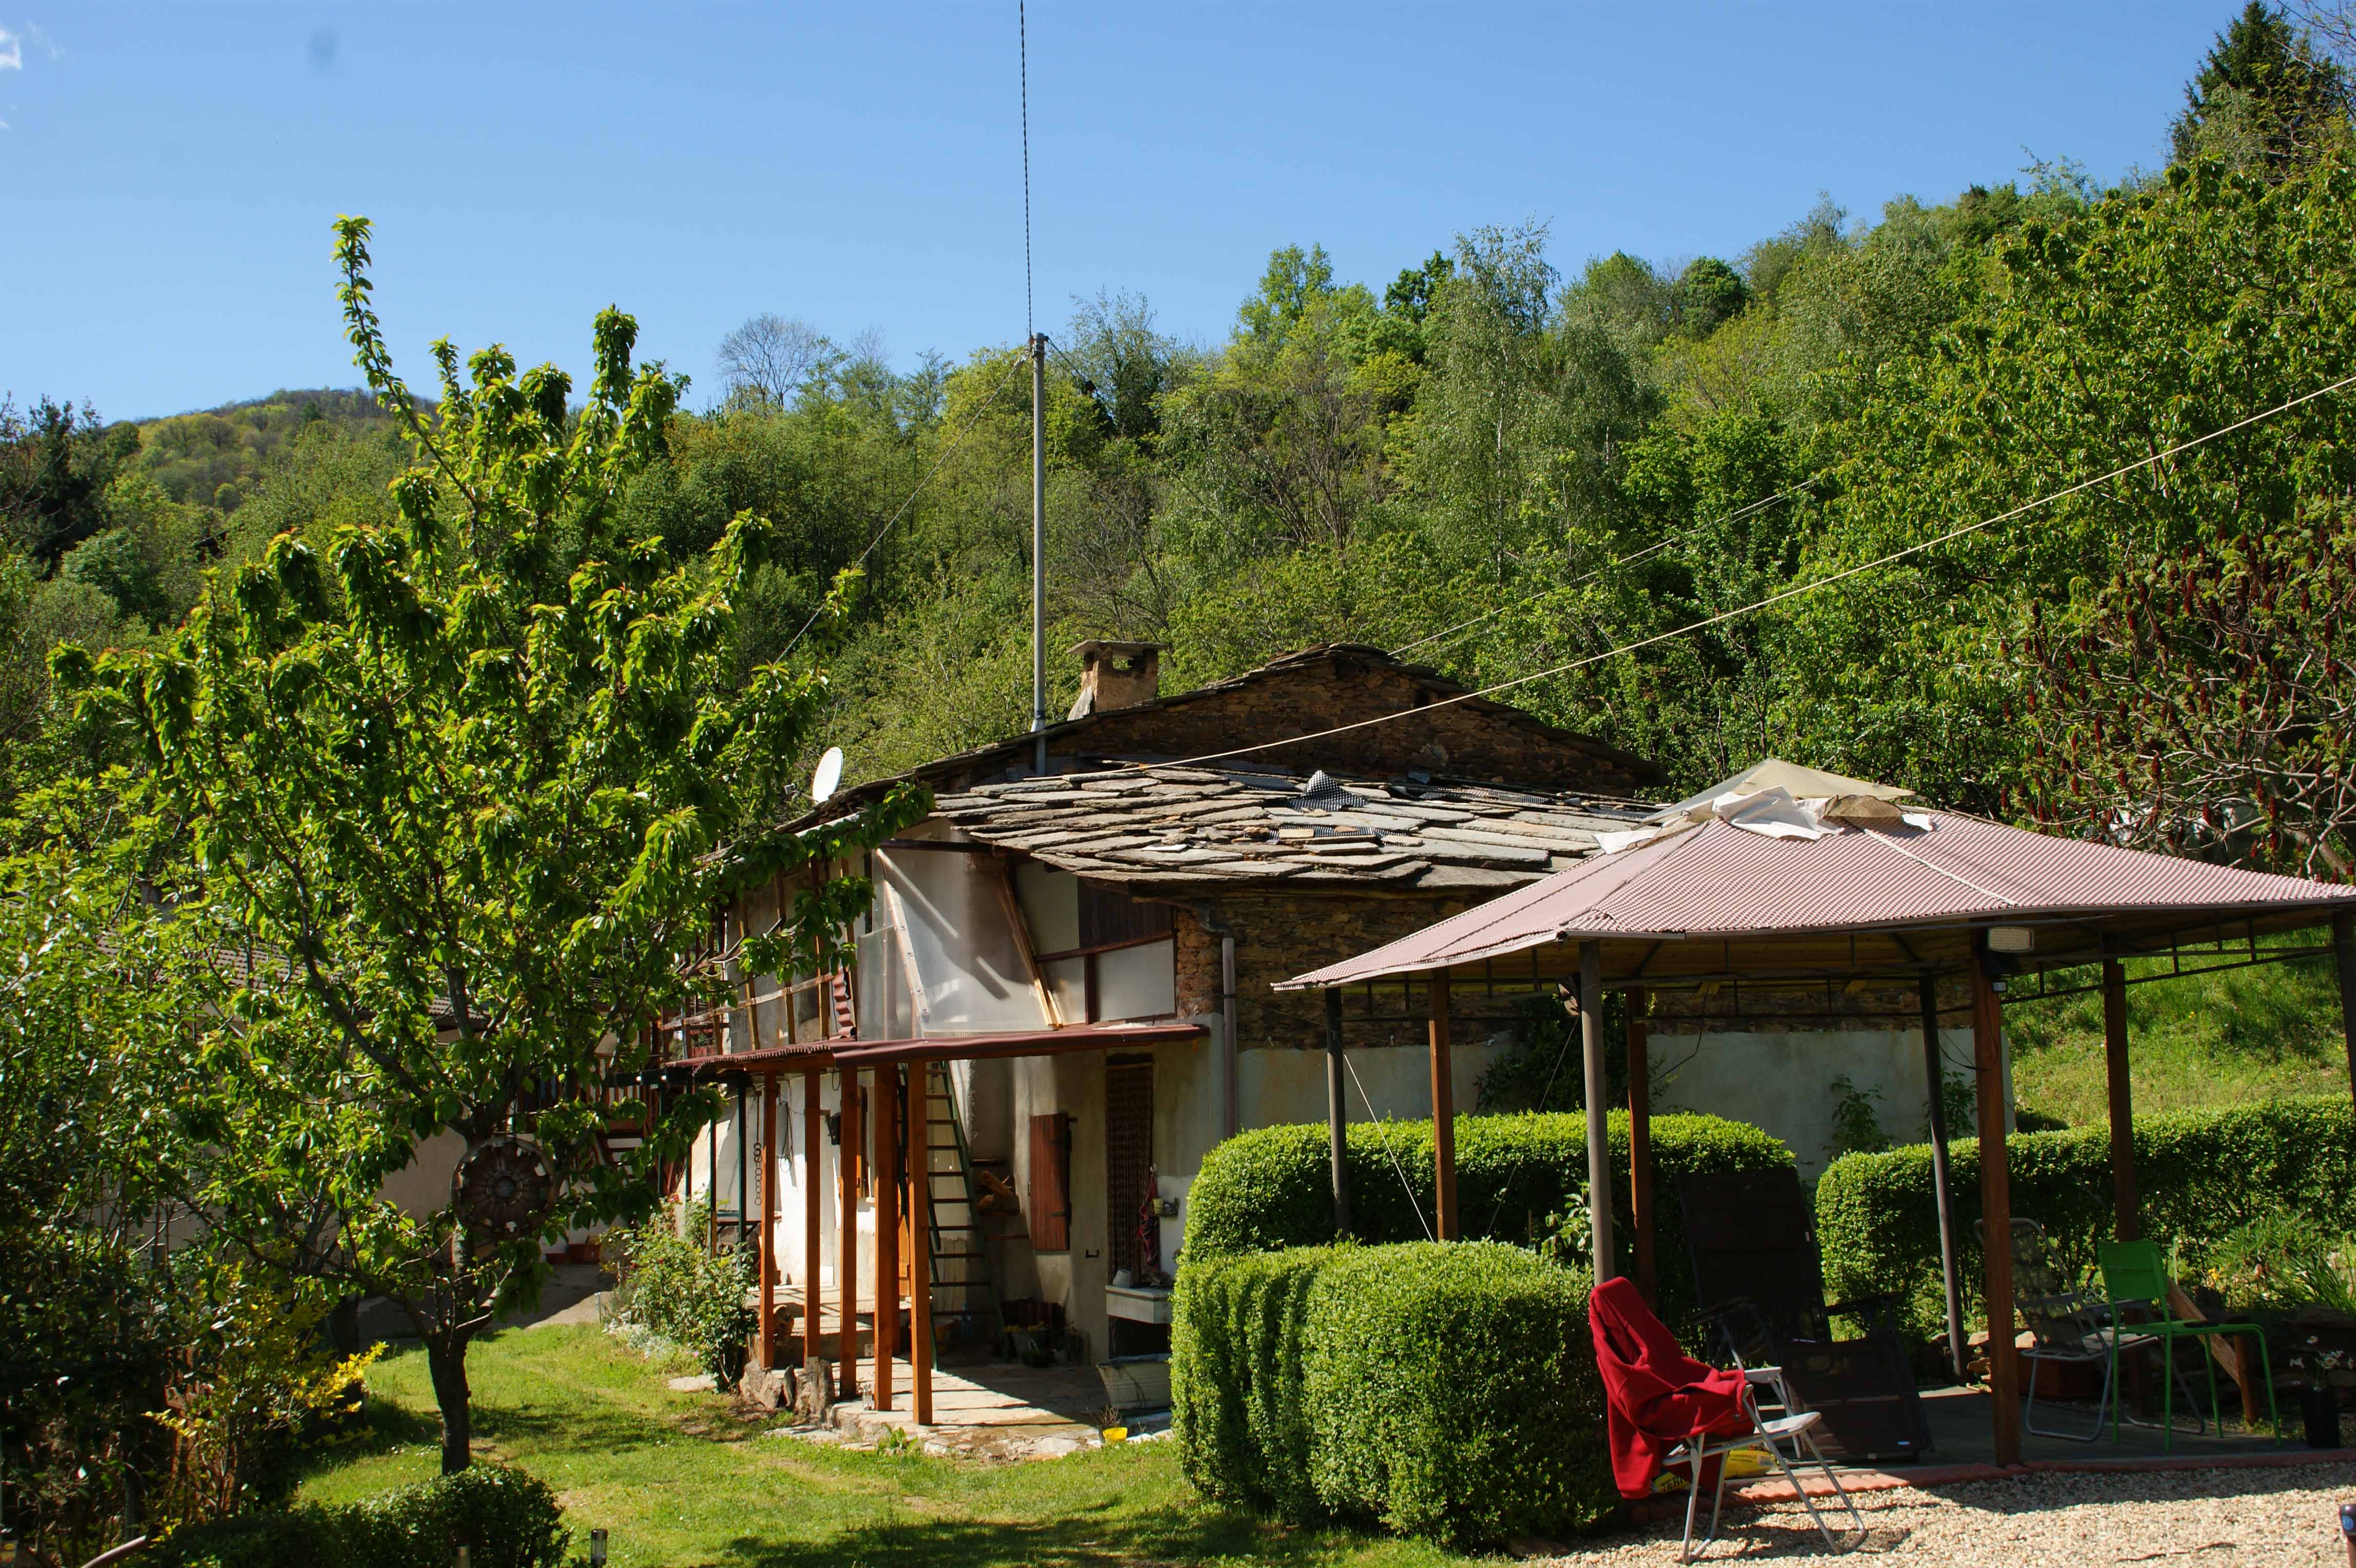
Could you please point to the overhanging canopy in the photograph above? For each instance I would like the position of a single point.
(857, 1056)
(1878, 898)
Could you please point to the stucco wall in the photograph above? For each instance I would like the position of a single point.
(1782, 1083)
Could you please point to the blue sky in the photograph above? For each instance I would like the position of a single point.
(169, 172)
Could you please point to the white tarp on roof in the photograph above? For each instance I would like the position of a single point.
(1799, 783)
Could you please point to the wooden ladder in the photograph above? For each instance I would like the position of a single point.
(965, 1309)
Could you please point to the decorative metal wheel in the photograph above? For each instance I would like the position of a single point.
(503, 1189)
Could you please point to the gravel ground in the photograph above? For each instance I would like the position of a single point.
(2079, 1521)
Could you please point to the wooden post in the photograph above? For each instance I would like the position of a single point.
(2343, 950)
(846, 1262)
(1337, 1113)
(1934, 1069)
(1640, 1150)
(1996, 1210)
(2114, 1059)
(920, 1236)
(886, 1123)
(1443, 1110)
(768, 1221)
(813, 1217)
(1598, 1110)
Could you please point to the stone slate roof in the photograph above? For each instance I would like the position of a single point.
(1163, 826)
(1156, 729)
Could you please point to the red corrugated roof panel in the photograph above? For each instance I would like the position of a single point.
(1721, 880)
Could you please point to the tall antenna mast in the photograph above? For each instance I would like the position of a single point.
(1039, 547)
(1037, 344)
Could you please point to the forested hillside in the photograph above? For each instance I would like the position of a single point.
(1505, 461)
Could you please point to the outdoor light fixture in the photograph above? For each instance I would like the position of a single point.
(2011, 939)
(597, 1548)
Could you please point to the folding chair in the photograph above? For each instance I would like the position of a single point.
(1661, 1399)
(2067, 1327)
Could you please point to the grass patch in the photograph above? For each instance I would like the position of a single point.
(680, 1481)
(2210, 1040)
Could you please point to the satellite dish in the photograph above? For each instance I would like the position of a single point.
(829, 775)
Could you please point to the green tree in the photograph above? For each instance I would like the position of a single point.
(2265, 98)
(55, 465)
(2117, 335)
(469, 782)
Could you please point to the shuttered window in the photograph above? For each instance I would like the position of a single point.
(1051, 1183)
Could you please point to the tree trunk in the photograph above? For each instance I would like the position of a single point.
(447, 1361)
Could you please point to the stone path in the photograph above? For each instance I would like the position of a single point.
(991, 1412)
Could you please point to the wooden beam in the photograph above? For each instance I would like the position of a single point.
(768, 1250)
(1337, 1115)
(846, 1261)
(1599, 1109)
(2343, 953)
(1934, 1071)
(813, 1217)
(886, 1123)
(920, 1235)
(1640, 1149)
(1443, 1109)
(1995, 1211)
(2123, 1211)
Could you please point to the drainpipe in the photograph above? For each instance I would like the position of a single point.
(1227, 1042)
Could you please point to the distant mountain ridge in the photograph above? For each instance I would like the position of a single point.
(214, 457)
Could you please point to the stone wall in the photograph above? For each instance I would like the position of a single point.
(1281, 932)
(1481, 739)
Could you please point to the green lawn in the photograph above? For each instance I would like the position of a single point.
(2215, 1039)
(678, 1480)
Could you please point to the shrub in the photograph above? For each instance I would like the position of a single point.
(670, 1287)
(1272, 1187)
(1444, 1390)
(506, 1519)
(2200, 1176)
(253, 1382)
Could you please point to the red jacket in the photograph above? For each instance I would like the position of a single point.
(1659, 1396)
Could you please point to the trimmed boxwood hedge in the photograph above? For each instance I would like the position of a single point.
(1443, 1390)
(1273, 1188)
(2197, 1176)
(506, 1519)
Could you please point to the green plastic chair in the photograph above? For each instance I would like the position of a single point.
(2136, 1274)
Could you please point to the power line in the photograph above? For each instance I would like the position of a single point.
(1023, 44)
(1791, 593)
(1652, 549)
(946, 451)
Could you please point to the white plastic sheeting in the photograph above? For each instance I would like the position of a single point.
(951, 912)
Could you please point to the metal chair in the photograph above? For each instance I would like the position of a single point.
(2135, 1275)
(2070, 1327)
(1768, 1436)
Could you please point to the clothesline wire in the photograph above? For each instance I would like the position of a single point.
(1796, 591)
(1629, 559)
(1382, 1131)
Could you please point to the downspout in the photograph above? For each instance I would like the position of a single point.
(1229, 1052)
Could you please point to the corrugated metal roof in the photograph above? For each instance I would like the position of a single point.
(1719, 881)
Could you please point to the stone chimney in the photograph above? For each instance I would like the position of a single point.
(1117, 676)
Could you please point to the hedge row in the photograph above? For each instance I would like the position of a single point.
(2199, 1174)
(506, 1519)
(1443, 1390)
(1273, 1188)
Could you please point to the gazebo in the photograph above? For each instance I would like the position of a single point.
(1785, 885)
